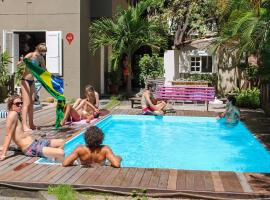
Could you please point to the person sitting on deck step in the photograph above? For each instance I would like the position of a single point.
(52, 148)
(149, 103)
(94, 152)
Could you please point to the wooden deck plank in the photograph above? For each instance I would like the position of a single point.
(137, 178)
(181, 180)
(107, 171)
(244, 183)
(51, 173)
(172, 179)
(190, 180)
(153, 183)
(11, 165)
(7, 160)
(44, 172)
(199, 183)
(146, 178)
(163, 180)
(78, 175)
(89, 172)
(120, 177)
(209, 185)
(217, 182)
(64, 170)
(109, 179)
(20, 169)
(32, 172)
(129, 177)
(230, 182)
(92, 179)
(69, 174)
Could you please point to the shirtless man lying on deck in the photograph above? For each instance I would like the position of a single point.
(93, 152)
(30, 147)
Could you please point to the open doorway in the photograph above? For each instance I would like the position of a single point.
(29, 40)
(18, 43)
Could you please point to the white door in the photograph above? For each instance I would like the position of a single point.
(11, 45)
(54, 52)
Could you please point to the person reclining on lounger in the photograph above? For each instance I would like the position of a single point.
(94, 152)
(149, 103)
(232, 113)
(30, 147)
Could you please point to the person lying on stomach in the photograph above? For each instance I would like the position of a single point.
(94, 152)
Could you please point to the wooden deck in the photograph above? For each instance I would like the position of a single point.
(21, 171)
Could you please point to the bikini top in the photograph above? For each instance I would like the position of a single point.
(34, 61)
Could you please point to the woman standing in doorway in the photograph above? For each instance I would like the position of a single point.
(28, 85)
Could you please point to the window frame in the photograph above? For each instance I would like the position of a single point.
(200, 66)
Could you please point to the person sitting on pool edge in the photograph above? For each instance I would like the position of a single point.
(149, 103)
(94, 152)
(232, 113)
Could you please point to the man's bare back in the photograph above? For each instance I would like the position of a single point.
(97, 154)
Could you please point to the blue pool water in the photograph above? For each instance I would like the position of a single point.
(193, 143)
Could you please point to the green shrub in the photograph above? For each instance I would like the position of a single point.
(63, 192)
(5, 59)
(151, 66)
(249, 98)
(211, 78)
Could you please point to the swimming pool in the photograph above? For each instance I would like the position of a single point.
(191, 143)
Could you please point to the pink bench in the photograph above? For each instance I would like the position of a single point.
(186, 93)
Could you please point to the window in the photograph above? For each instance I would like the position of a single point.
(201, 64)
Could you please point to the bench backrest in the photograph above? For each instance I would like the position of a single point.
(193, 93)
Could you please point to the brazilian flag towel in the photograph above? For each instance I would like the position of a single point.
(53, 84)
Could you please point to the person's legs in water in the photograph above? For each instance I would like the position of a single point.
(53, 153)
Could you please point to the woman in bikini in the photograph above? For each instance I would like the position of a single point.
(28, 85)
(83, 108)
(90, 104)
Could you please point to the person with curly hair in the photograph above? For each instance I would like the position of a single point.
(94, 152)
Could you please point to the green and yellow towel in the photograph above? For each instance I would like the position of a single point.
(53, 84)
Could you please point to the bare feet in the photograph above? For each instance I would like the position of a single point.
(62, 123)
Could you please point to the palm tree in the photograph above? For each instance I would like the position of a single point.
(245, 26)
(126, 32)
(245, 31)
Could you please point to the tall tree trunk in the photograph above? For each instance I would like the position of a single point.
(128, 87)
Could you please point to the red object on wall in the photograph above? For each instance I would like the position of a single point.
(69, 37)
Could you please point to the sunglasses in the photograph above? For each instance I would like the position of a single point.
(18, 104)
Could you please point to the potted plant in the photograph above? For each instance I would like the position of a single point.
(4, 77)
